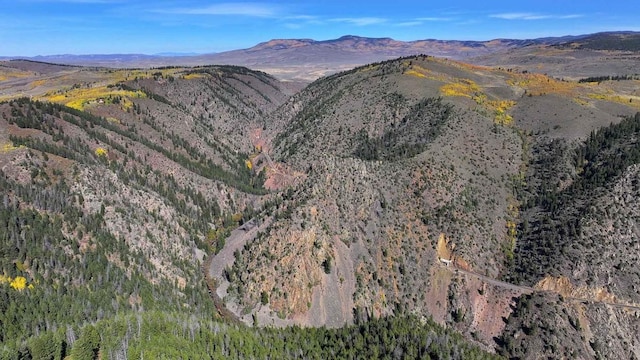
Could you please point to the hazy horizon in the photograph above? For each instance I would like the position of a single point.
(82, 27)
(187, 54)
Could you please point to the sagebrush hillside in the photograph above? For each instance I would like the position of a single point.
(499, 203)
(409, 161)
(112, 201)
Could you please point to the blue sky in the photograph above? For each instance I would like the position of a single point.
(47, 27)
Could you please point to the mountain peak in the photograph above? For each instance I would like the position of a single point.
(280, 44)
(352, 37)
(360, 38)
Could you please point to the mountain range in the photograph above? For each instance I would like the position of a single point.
(413, 206)
(307, 59)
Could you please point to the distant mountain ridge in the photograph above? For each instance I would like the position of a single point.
(384, 42)
(309, 59)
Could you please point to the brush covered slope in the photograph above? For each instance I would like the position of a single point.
(477, 197)
(114, 192)
(396, 177)
(385, 177)
(112, 200)
(578, 237)
(418, 162)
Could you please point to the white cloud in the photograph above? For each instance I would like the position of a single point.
(301, 17)
(301, 21)
(293, 26)
(532, 16)
(514, 16)
(434, 19)
(363, 21)
(237, 9)
(410, 23)
(571, 16)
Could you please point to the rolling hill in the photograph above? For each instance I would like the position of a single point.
(496, 202)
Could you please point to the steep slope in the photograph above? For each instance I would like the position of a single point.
(482, 198)
(396, 178)
(411, 164)
(549, 325)
(111, 202)
(113, 192)
(578, 237)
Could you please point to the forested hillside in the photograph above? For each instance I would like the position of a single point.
(153, 334)
(112, 205)
(399, 173)
(418, 161)
(413, 208)
(578, 236)
(596, 183)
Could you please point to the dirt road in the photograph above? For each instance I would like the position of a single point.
(530, 290)
(225, 258)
